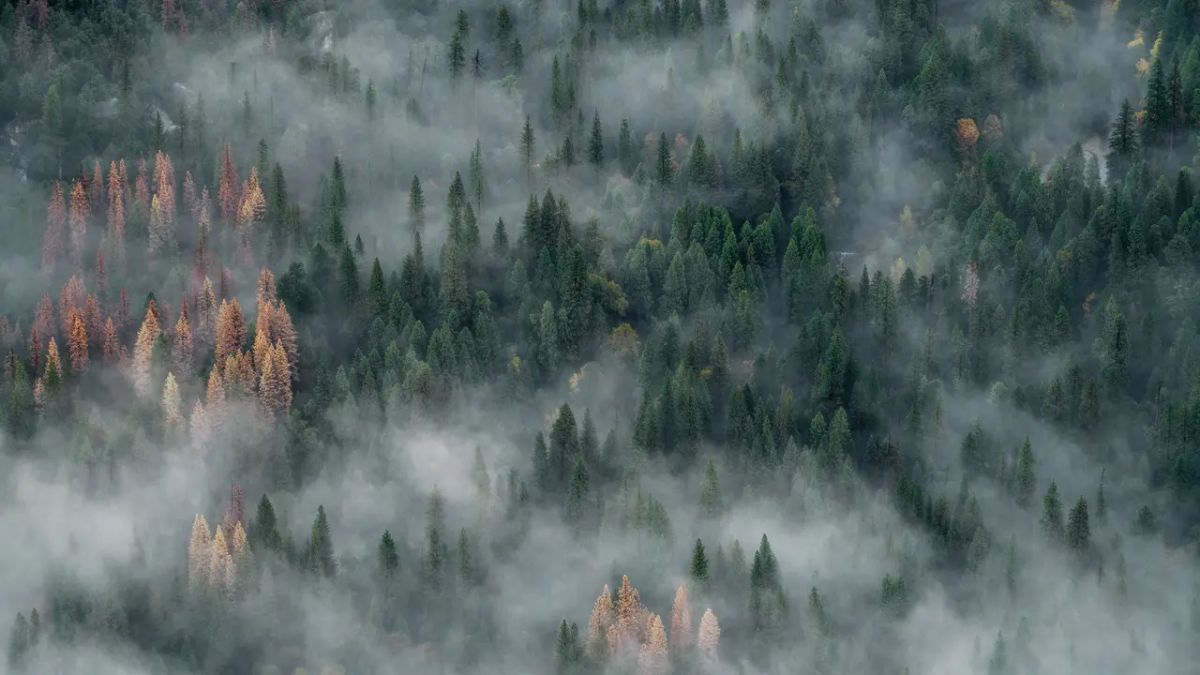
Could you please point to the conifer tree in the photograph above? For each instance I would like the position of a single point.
(603, 617)
(52, 238)
(143, 352)
(171, 405)
(320, 547)
(708, 638)
(77, 344)
(199, 554)
(681, 625)
(1052, 515)
(77, 221)
(652, 660)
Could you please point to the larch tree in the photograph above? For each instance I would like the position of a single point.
(681, 624)
(630, 617)
(227, 185)
(652, 660)
(143, 352)
(283, 332)
(54, 370)
(199, 555)
(171, 405)
(200, 425)
(708, 637)
(77, 221)
(77, 344)
(220, 565)
(416, 206)
(116, 217)
(71, 300)
(602, 618)
(52, 237)
(110, 349)
(230, 330)
(182, 346)
(206, 311)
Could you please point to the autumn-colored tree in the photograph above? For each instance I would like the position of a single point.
(283, 332)
(95, 186)
(631, 617)
(171, 405)
(709, 637)
(652, 660)
(262, 347)
(199, 555)
(966, 133)
(77, 221)
(227, 185)
(143, 352)
(52, 237)
(214, 399)
(221, 571)
(264, 289)
(162, 227)
(141, 185)
(54, 370)
(70, 300)
(681, 624)
(110, 349)
(274, 389)
(993, 130)
(77, 344)
(92, 319)
(240, 548)
(182, 347)
(230, 330)
(603, 616)
(200, 425)
(235, 511)
(191, 202)
(252, 209)
(35, 349)
(116, 216)
(206, 311)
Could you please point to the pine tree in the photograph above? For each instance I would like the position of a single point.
(264, 530)
(1052, 515)
(320, 547)
(595, 147)
(230, 330)
(527, 141)
(710, 492)
(182, 346)
(221, 573)
(1025, 483)
(663, 169)
(1078, 528)
(698, 571)
(631, 618)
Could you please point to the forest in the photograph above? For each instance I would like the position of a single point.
(605, 337)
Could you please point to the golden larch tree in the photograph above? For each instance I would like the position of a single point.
(92, 319)
(214, 399)
(284, 332)
(162, 229)
(264, 289)
(681, 623)
(171, 405)
(652, 660)
(77, 221)
(221, 563)
(199, 554)
(190, 201)
(262, 346)
(54, 369)
(198, 423)
(52, 237)
(143, 352)
(77, 344)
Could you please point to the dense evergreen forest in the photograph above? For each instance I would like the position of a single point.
(600, 337)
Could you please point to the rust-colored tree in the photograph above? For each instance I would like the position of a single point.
(52, 237)
(230, 330)
(71, 299)
(116, 216)
(681, 624)
(182, 347)
(110, 349)
(77, 221)
(199, 555)
(652, 660)
(77, 344)
(603, 616)
(143, 352)
(227, 182)
(708, 638)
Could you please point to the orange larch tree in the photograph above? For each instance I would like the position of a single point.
(190, 202)
(96, 186)
(227, 185)
(681, 624)
(110, 349)
(603, 617)
(116, 215)
(653, 657)
(284, 332)
(171, 404)
(71, 299)
(199, 555)
(206, 311)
